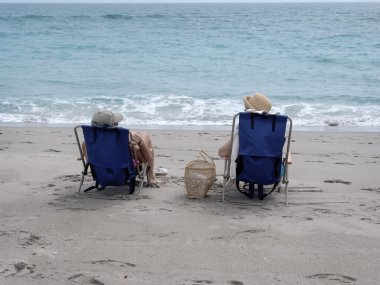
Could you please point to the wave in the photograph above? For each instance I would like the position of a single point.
(340, 36)
(155, 16)
(321, 59)
(79, 17)
(25, 17)
(55, 82)
(371, 19)
(333, 99)
(174, 110)
(117, 17)
(36, 17)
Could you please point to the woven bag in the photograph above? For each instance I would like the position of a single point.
(199, 176)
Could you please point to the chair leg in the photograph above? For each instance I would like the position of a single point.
(81, 182)
(286, 182)
(142, 177)
(141, 182)
(251, 191)
(225, 178)
(224, 187)
(260, 191)
(286, 193)
(132, 185)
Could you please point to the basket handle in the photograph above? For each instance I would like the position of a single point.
(206, 156)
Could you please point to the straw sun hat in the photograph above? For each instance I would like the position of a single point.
(257, 102)
(106, 118)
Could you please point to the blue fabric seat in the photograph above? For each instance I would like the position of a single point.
(109, 157)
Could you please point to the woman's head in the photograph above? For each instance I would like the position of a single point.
(105, 118)
(257, 102)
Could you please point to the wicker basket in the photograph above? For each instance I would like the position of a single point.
(199, 176)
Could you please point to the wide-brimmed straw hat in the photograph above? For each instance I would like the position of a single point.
(106, 118)
(257, 102)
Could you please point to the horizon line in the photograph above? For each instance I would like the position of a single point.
(184, 1)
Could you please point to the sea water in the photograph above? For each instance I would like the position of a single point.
(189, 64)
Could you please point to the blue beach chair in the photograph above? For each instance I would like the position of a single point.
(109, 157)
(261, 160)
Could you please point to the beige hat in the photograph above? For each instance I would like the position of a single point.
(257, 102)
(106, 118)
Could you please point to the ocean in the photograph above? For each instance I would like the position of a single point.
(189, 65)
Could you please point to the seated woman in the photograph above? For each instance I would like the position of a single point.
(256, 103)
(140, 143)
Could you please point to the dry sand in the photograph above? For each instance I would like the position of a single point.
(50, 234)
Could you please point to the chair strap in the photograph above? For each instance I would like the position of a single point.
(276, 172)
(274, 123)
(274, 187)
(252, 120)
(85, 170)
(94, 134)
(91, 187)
(265, 115)
(251, 190)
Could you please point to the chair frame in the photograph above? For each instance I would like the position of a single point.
(140, 173)
(285, 177)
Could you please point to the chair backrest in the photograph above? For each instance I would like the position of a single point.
(109, 155)
(261, 140)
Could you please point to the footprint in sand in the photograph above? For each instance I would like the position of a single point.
(51, 150)
(252, 231)
(371, 189)
(333, 277)
(164, 209)
(234, 282)
(114, 262)
(83, 279)
(33, 239)
(73, 178)
(370, 220)
(323, 211)
(20, 268)
(202, 281)
(337, 181)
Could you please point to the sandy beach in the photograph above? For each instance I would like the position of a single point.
(51, 234)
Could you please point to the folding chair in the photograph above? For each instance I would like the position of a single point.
(260, 160)
(109, 158)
